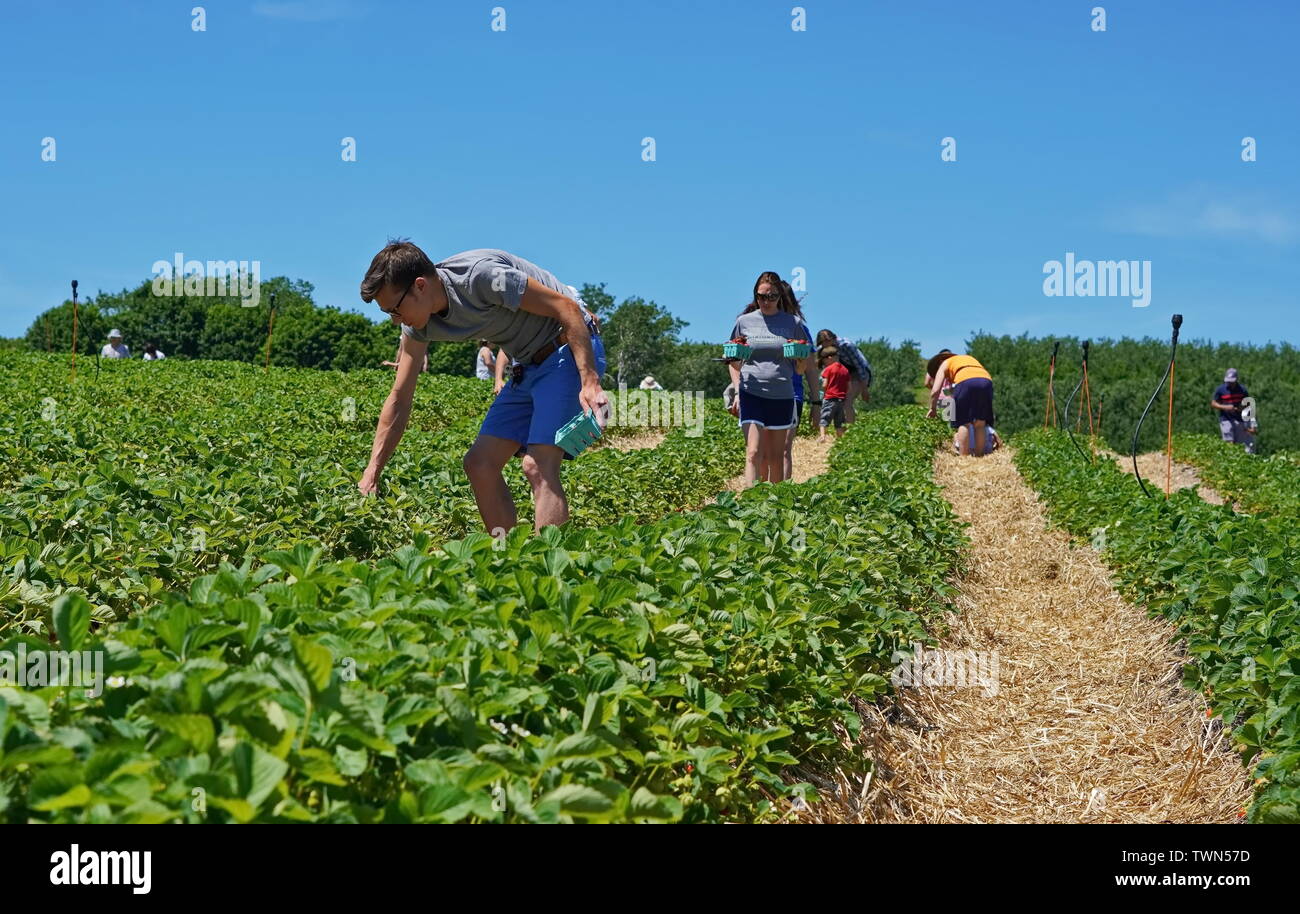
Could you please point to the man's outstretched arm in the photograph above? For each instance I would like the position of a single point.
(397, 410)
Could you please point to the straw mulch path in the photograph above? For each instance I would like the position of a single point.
(637, 439)
(808, 460)
(1090, 722)
(1153, 468)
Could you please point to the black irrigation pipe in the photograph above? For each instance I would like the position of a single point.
(1068, 431)
(1173, 352)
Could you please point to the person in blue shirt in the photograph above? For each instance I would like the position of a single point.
(1227, 402)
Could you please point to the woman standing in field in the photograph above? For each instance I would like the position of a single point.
(765, 380)
(972, 396)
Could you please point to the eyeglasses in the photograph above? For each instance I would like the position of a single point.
(768, 296)
(393, 310)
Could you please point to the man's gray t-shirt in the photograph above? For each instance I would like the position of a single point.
(767, 373)
(484, 288)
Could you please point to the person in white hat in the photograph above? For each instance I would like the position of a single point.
(649, 383)
(115, 348)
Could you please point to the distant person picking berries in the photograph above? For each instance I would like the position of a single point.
(1227, 402)
(972, 396)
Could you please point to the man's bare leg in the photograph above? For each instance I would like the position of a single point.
(483, 464)
(542, 470)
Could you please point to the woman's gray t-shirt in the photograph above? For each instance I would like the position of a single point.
(767, 373)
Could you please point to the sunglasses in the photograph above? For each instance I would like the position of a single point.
(769, 296)
(393, 310)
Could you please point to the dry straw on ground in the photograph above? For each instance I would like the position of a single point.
(1155, 471)
(1090, 722)
(635, 439)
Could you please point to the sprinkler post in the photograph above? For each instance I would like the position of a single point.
(1177, 322)
(74, 330)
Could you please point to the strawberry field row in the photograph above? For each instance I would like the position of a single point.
(125, 486)
(667, 670)
(1230, 583)
(1259, 484)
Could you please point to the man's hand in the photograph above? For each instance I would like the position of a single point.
(369, 484)
(593, 398)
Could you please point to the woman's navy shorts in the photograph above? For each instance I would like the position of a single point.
(769, 414)
(973, 399)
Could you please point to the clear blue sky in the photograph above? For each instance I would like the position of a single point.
(776, 149)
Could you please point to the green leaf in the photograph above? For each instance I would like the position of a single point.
(315, 660)
(317, 765)
(257, 772)
(71, 620)
(577, 800)
(77, 796)
(581, 745)
(646, 805)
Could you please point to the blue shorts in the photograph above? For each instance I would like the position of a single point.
(973, 400)
(532, 411)
(769, 414)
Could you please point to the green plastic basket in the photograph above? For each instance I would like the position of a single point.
(736, 351)
(578, 434)
(797, 350)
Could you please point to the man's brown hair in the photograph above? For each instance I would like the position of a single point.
(397, 265)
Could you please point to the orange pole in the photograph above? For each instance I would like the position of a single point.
(1169, 435)
(1087, 397)
(270, 326)
(1047, 409)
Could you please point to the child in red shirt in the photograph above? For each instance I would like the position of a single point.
(835, 389)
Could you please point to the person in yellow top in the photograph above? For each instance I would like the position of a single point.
(972, 395)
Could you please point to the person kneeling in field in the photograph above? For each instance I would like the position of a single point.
(514, 304)
(972, 394)
(991, 440)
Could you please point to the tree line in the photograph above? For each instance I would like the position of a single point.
(641, 337)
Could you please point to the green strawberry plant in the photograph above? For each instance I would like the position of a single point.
(669, 668)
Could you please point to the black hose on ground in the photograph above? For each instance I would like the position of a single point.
(1068, 430)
